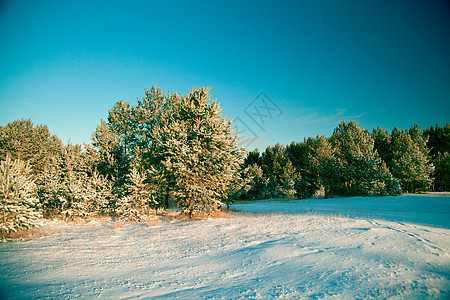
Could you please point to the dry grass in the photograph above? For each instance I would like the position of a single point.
(31, 233)
(153, 220)
(178, 215)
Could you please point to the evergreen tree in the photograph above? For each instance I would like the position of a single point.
(382, 144)
(148, 114)
(442, 172)
(122, 122)
(438, 142)
(72, 183)
(332, 177)
(416, 134)
(33, 144)
(70, 188)
(438, 139)
(193, 153)
(410, 163)
(112, 160)
(297, 153)
(17, 196)
(309, 157)
(51, 190)
(358, 166)
(140, 202)
(99, 195)
(280, 173)
(154, 113)
(253, 157)
(254, 183)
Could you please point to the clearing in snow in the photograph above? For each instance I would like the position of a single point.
(380, 247)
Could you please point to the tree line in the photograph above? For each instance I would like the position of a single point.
(179, 151)
(352, 162)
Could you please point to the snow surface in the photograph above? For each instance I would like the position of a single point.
(427, 209)
(368, 248)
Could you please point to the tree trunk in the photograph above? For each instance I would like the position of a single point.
(166, 200)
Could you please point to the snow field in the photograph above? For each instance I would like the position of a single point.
(265, 255)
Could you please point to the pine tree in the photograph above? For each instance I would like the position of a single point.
(253, 157)
(140, 202)
(332, 177)
(50, 191)
(122, 121)
(382, 144)
(317, 151)
(155, 111)
(17, 196)
(438, 139)
(193, 154)
(442, 172)
(99, 195)
(149, 113)
(73, 181)
(410, 163)
(32, 144)
(298, 155)
(113, 161)
(72, 189)
(438, 142)
(280, 173)
(254, 183)
(358, 163)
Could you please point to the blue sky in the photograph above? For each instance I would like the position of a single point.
(380, 63)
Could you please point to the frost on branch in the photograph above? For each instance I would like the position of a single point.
(140, 203)
(17, 196)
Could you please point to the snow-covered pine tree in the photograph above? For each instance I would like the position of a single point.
(50, 190)
(410, 163)
(140, 201)
(297, 153)
(99, 194)
(307, 158)
(153, 113)
(382, 143)
(319, 151)
(288, 181)
(122, 121)
(438, 142)
(442, 172)
(254, 183)
(34, 144)
(113, 161)
(252, 158)
(360, 165)
(72, 189)
(194, 153)
(17, 196)
(147, 115)
(280, 173)
(73, 180)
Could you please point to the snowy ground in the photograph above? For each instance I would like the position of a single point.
(429, 209)
(338, 248)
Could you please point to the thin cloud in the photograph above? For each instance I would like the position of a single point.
(313, 116)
